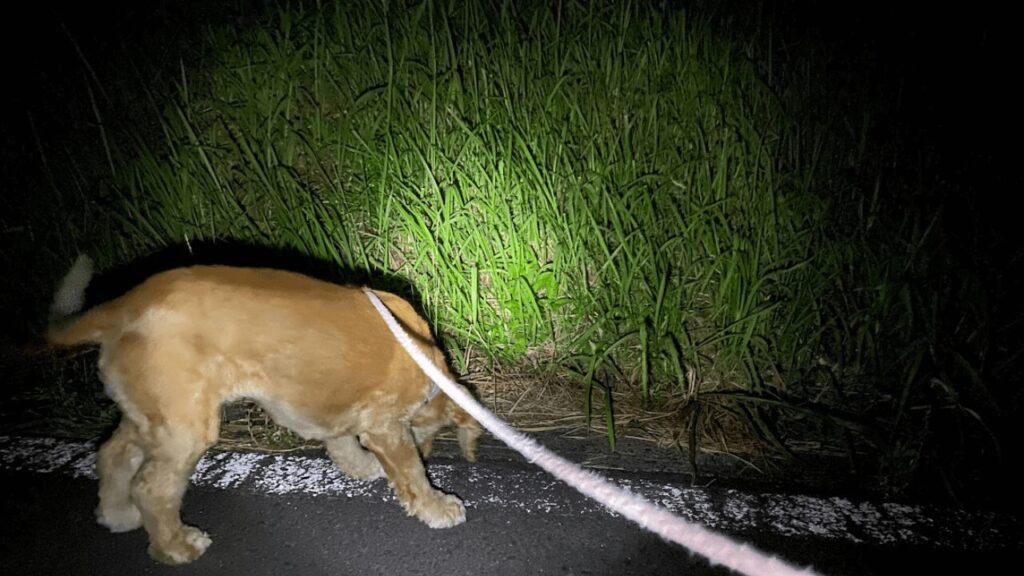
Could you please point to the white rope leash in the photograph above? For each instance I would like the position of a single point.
(717, 548)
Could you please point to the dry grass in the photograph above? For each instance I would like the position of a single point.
(536, 400)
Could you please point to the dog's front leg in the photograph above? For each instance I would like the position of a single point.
(352, 459)
(396, 450)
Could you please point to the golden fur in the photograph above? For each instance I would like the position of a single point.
(315, 355)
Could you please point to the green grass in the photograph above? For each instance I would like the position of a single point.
(613, 187)
(618, 190)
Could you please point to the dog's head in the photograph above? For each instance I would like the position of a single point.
(440, 413)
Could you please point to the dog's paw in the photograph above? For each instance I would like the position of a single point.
(353, 460)
(370, 470)
(373, 475)
(444, 511)
(123, 519)
(184, 547)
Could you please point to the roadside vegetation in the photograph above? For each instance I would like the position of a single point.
(664, 210)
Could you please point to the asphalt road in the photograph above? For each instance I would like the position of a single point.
(294, 515)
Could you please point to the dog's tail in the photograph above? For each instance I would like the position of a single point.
(70, 295)
(67, 329)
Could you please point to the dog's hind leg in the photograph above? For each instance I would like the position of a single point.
(161, 388)
(116, 464)
(396, 450)
(171, 454)
(353, 459)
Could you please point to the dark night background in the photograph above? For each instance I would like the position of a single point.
(940, 84)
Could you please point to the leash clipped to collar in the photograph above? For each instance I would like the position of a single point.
(716, 547)
(434, 390)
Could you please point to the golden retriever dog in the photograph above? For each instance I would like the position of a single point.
(315, 355)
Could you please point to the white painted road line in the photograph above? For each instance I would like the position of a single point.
(483, 487)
